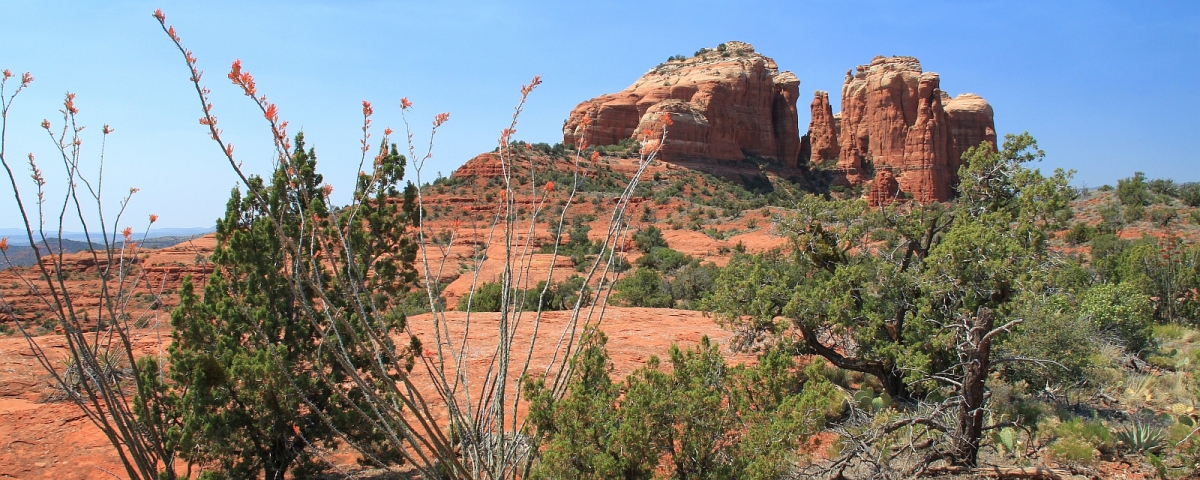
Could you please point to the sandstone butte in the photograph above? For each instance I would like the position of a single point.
(732, 103)
(724, 104)
(896, 118)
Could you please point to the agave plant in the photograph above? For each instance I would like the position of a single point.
(1141, 438)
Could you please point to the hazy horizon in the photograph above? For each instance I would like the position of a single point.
(1108, 88)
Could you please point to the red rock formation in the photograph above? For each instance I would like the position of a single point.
(883, 189)
(822, 130)
(721, 107)
(484, 165)
(894, 118)
(926, 167)
(158, 275)
(971, 123)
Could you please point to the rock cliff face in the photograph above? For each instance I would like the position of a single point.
(896, 117)
(724, 104)
(971, 122)
(732, 102)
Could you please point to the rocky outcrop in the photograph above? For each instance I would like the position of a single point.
(896, 117)
(160, 274)
(724, 104)
(971, 122)
(884, 189)
(926, 168)
(484, 165)
(822, 130)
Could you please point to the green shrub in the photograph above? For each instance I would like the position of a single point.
(1052, 330)
(1079, 233)
(699, 418)
(559, 296)
(1093, 431)
(648, 239)
(1134, 191)
(693, 282)
(1189, 193)
(1163, 216)
(1111, 214)
(485, 299)
(1122, 310)
(1133, 213)
(1073, 450)
(663, 259)
(645, 288)
(1164, 187)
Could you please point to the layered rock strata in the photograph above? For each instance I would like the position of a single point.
(971, 122)
(723, 104)
(896, 117)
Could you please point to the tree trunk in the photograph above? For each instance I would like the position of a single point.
(894, 385)
(975, 352)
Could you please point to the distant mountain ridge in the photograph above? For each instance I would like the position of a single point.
(17, 236)
(22, 255)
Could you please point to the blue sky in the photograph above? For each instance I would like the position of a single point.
(1106, 87)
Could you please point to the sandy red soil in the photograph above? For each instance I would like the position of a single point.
(52, 440)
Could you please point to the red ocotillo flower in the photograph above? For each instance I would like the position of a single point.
(69, 103)
(595, 155)
(405, 104)
(440, 119)
(525, 89)
(4, 241)
(549, 186)
(7, 74)
(666, 119)
(242, 79)
(159, 15)
(128, 234)
(387, 131)
(153, 218)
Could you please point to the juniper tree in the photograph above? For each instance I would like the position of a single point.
(290, 346)
(911, 294)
